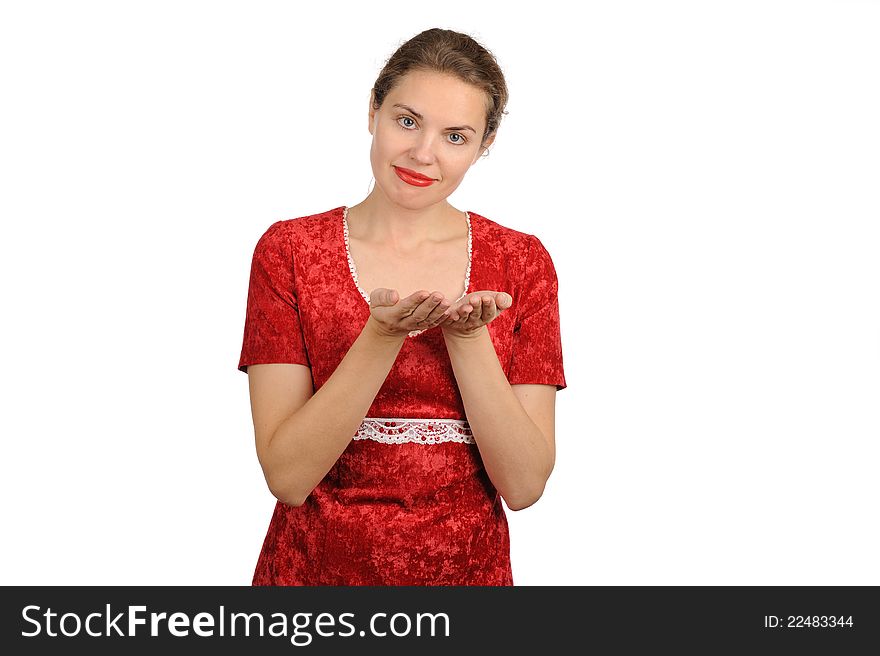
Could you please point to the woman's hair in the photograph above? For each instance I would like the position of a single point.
(453, 53)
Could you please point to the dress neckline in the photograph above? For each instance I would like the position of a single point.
(353, 269)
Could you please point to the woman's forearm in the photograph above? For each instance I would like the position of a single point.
(516, 455)
(309, 442)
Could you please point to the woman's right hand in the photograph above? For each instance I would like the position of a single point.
(393, 317)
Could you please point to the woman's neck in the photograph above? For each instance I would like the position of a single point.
(402, 229)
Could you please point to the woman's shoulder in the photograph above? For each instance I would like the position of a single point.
(523, 254)
(310, 227)
(494, 229)
(513, 243)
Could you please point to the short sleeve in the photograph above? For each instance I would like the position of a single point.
(272, 328)
(536, 357)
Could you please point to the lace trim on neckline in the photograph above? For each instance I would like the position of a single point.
(353, 269)
(396, 430)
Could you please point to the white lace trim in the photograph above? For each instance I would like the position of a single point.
(396, 430)
(353, 269)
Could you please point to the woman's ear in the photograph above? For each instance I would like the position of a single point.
(484, 149)
(371, 114)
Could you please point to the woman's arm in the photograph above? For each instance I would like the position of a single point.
(301, 436)
(306, 445)
(517, 455)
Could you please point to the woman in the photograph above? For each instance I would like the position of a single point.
(390, 424)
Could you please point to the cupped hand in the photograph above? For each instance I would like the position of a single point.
(474, 311)
(418, 311)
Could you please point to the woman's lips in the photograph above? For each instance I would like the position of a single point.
(413, 178)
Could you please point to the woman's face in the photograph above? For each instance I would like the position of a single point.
(431, 124)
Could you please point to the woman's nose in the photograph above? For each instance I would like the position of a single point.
(423, 149)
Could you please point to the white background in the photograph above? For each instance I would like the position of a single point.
(704, 174)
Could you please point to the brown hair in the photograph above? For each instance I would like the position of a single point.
(453, 53)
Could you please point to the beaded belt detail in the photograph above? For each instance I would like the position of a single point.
(396, 430)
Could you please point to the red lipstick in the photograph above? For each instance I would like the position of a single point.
(413, 178)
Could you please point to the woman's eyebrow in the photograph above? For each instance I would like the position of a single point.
(420, 117)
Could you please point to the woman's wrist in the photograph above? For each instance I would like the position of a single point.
(378, 331)
(450, 335)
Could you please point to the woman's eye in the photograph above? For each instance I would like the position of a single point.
(460, 139)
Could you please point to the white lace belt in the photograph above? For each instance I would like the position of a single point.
(397, 430)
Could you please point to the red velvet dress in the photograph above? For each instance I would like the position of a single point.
(409, 501)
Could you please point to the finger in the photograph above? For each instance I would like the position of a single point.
(415, 299)
(487, 309)
(477, 314)
(438, 313)
(423, 314)
(446, 320)
(503, 300)
(490, 309)
(381, 297)
(461, 312)
(454, 310)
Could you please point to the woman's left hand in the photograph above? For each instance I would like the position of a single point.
(474, 311)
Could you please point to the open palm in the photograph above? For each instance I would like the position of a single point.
(474, 311)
